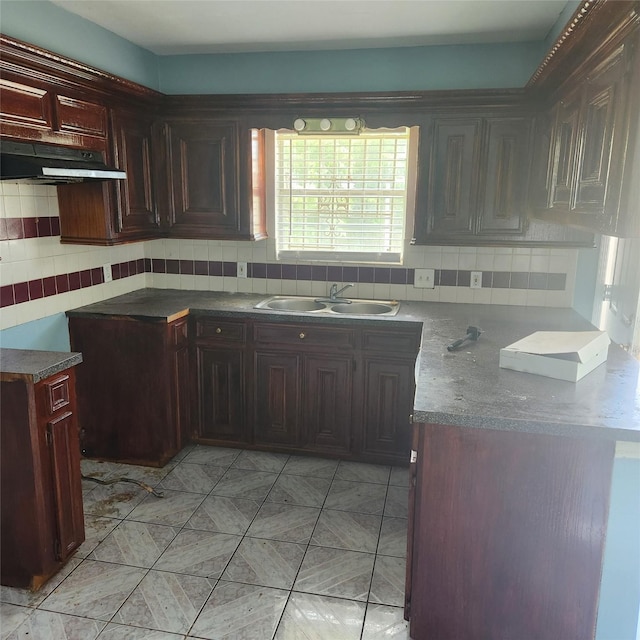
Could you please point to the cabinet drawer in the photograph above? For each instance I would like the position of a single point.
(223, 330)
(393, 342)
(57, 393)
(305, 334)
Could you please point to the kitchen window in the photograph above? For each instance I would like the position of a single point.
(344, 198)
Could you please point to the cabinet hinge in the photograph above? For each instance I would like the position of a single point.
(48, 437)
(608, 291)
(57, 549)
(414, 456)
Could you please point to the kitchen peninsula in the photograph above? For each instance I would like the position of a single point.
(510, 472)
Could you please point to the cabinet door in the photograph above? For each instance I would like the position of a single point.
(137, 211)
(603, 117)
(221, 384)
(64, 449)
(26, 111)
(79, 117)
(453, 176)
(277, 399)
(505, 183)
(203, 178)
(180, 380)
(327, 401)
(565, 150)
(388, 400)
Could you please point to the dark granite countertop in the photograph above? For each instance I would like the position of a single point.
(465, 387)
(32, 365)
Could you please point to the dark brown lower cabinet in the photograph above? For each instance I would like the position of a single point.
(41, 491)
(506, 534)
(133, 387)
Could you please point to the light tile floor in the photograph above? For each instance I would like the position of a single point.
(244, 545)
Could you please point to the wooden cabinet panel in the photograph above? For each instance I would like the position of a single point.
(327, 401)
(24, 108)
(134, 362)
(505, 184)
(305, 335)
(41, 502)
(389, 388)
(453, 175)
(202, 162)
(64, 447)
(277, 398)
(137, 213)
(80, 117)
(221, 394)
(507, 534)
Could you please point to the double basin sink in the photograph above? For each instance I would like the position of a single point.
(345, 306)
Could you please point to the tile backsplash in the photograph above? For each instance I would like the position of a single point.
(39, 276)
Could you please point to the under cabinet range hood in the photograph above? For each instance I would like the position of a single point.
(45, 164)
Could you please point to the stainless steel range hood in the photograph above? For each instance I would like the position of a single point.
(45, 164)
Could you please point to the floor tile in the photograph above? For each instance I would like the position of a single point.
(268, 563)
(138, 544)
(184, 452)
(241, 483)
(361, 472)
(344, 530)
(99, 469)
(113, 501)
(393, 537)
(399, 477)
(196, 478)
(94, 590)
(311, 467)
(361, 497)
(96, 529)
(123, 632)
(198, 553)
(335, 572)
(285, 522)
(11, 617)
(216, 456)
(240, 612)
(149, 475)
(305, 492)
(174, 509)
(165, 601)
(47, 625)
(261, 461)
(385, 623)
(313, 617)
(225, 515)
(397, 503)
(387, 586)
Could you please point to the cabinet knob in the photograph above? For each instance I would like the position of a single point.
(302, 336)
(218, 330)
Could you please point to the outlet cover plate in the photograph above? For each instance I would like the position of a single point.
(242, 269)
(106, 271)
(476, 280)
(424, 278)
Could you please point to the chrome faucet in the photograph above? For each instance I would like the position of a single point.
(334, 292)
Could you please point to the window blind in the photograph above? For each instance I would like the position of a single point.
(345, 196)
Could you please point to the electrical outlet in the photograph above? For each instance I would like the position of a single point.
(424, 278)
(242, 269)
(106, 271)
(476, 280)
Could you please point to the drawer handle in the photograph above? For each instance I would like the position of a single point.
(218, 330)
(302, 336)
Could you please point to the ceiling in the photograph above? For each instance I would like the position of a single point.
(173, 27)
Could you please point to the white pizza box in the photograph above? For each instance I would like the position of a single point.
(565, 355)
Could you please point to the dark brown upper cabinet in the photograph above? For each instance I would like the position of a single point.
(211, 171)
(472, 187)
(33, 110)
(590, 177)
(137, 214)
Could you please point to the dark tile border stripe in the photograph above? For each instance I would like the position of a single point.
(53, 285)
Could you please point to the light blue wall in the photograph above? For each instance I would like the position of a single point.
(48, 26)
(47, 334)
(620, 587)
(394, 69)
